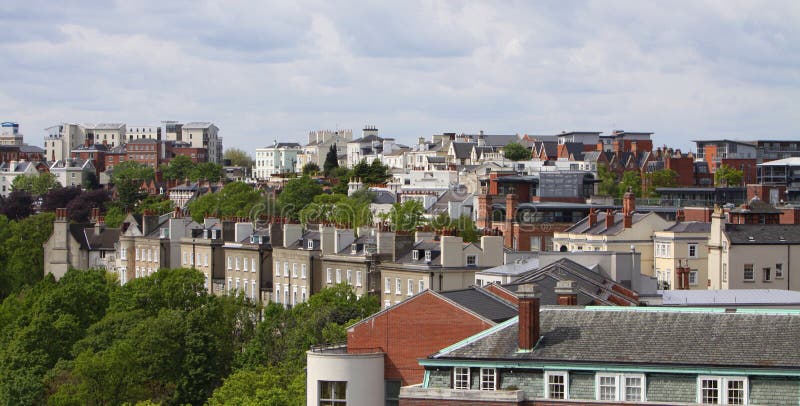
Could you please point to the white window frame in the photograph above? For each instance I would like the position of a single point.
(415, 255)
(427, 255)
(459, 372)
(693, 274)
(398, 286)
(310, 244)
(277, 268)
(474, 259)
(421, 285)
(488, 379)
(358, 278)
(410, 290)
(236, 261)
(722, 387)
(349, 276)
(303, 271)
(752, 272)
(230, 262)
(328, 275)
(692, 247)
(387, 285)
(766, 274)
(619, 386)
(338, 276)
(286, 269)
(779, 271)
(294, 270)
(563, 374)
(245, 263)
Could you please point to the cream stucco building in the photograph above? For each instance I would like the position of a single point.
(683, 245)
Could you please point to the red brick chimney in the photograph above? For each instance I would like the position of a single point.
(592, 217)
(511, 207)
(528, 316)
(566, 293)
(634, 148)
(609, 218)
(680, 216)
(484, 212)
(628, 207)
(600, 146)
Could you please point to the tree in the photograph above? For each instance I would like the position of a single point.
(728, 176)
(261, 386)
(310, 169)
(208, 171)
(660, 178)
(378, 172)
(297, 194)
(127, 177)
(79, 208)
(407, 216)
(178, 168)
(60, 197)
(22, 252)
(630, 181)
(331, 160)
(608, 181)
(238, 157)
(36, 185)
(235, 199)
(17, 205)
(516, 152)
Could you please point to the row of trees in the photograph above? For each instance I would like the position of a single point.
(161, 340)
(610, 185)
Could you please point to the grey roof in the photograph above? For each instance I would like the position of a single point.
(599, 228)
(384, 197)
(763, 234)
(30, 148)
(550, 147)
(105, 240)
(198, 124)
(442, 203)
(756, 206)
(312, 235)
(288, 145)
(517, 268)
(484, 303)
(369, 138)
(106, 126)
(662, 336)
(735, 297)
(592, 156)
(436, 159)
(498, 140)
(462, 150)
(690, 227)
(575, 149)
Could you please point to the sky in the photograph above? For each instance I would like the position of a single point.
(268, 70)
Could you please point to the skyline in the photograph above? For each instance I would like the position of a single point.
(684, 71)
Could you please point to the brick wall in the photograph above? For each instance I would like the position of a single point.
(414, 329)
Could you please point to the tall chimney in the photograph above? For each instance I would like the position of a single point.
(592, 217)
(566, 293)
(680, 216)
(511, 207)
(628, 207)
(609, 218)
(528, 295)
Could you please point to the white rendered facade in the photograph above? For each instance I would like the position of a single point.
(204, 135)
(279, 158)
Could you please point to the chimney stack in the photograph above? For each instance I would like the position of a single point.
(628, 207)
(529, 333)
(511, 207)
(680, 216)
(609, 218)
(592, 217)
(95, 214)
(566, 293)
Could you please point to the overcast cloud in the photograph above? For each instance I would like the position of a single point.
(267, 70)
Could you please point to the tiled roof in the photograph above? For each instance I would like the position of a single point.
(582, 227)
(657, 337)
(761, 234)
(483, 303)
(690, 227)
(733, 297)
(462, 150)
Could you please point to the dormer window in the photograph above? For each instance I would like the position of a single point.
(354, 249)
(311, 244)
(427, 255)
(415, 255)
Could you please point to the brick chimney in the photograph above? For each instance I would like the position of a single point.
(484, 212)
(529, 333)
(592, 217)
(628, 207)
(609, 218)
(95, 214)
(634, 148)
(511, 207)
(680, 216)
(566, 293)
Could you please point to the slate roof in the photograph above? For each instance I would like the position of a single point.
(690, 227)
(763, 234)
(482, 302)
(664, 336)
(105, 240)
(383, 197)
(369, 138)
(516, 268)
(575, 149)
(593, 288)
(436, 159)
(582, 227)
(550, 148)
(312, 235)
(441, 205)
(733, 297)
(756, 206)
(462, 150)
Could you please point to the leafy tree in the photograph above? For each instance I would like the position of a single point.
(21, 251)
(158, 204)
(463, 226)
(17, 205)
(261, 386)
(80, 207)
(608, 181)
(728, 176)
(208, 171)
(60, 197)
(178, 168)
(91, 182)
(114, 216)
(661, 178)
(516, 152)
(36, 184)
(340, 179)
(407, 216)
(372, 174)
(310, 169)
(238, 157)
(331, 160)
(235, 199)
(297, 194)
(127, 177)
(630, 181)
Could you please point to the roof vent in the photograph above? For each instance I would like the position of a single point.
(750, 238)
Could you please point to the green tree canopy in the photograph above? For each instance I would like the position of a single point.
(235, 199)
(608, 182)
(310, 169)
(178, 168)
(331, 160)
(238, 157)
(516, 152)
(37, 185)
(296, 195)
(630, 181)
(21, 251)
(407, 216)
(127, 177)
(728, 176)
(208, 171)
(661, 178)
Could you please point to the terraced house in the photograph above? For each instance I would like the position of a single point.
(613, 355)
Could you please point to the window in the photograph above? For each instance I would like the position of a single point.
(461, 378)
(245, 264)
(693, 277)
(692, 250)
(230, 263)
(332, 393)
(623, 387)
(398, 286)
(277, 293)
(286, 269)
(415, 255)
(767, 274)
(778, 271)
(277, 268)
(205, 259)
(237, 263)
(748, 272)
(724, 272)
(137, 253)
(311, 244)
(556, 385)
(358, 278)
(410, 287)
(488, 378)
(471, 260)
(185, 258)
(722, 390)
(387, 285)
(303, 271)
(338, 276)
(328, 275)
(427, 255)
(294, 270)
(349, 278)
(421, 286)
(387, 304)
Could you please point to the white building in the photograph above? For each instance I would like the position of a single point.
(9, 134)
(10, 170)
(61, 139)
(143, 132)
(320, 142)
(369, 147)
(72, 172)
(281, 157)
(204, 135)
(110, 134)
